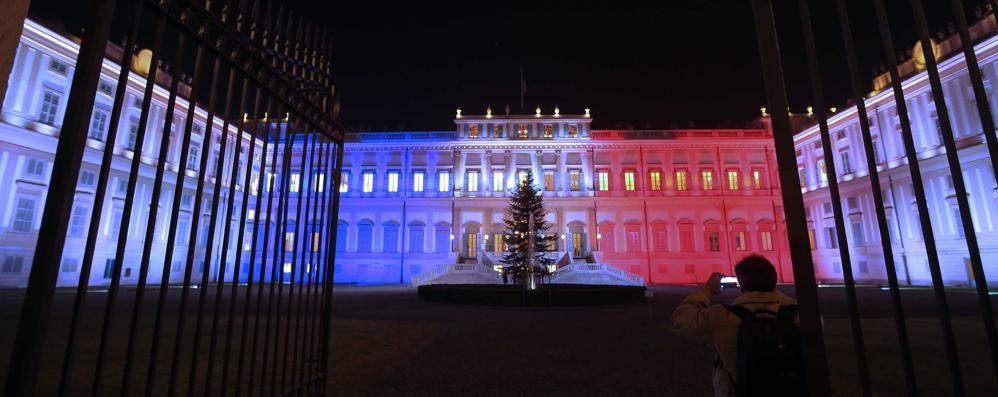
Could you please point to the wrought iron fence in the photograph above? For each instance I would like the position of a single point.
(227, 162)
(776, 95)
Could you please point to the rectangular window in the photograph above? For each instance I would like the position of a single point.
(116, 224)
(368, 179)
(316, 241)
(87, 178)
(78, 221)
(472, 181)
(707, 179)
(573, 131)
(393, 181)
(810, 239)
(733, 183)
(192, 156)
(133, 138)
(574, 177)
(757, 179)
(497, 131)
(97, 125)
(521, 176)
(35, 168)
(250, 214)
(443, 179)
(108, 268)
(105, 88)
(320, 183)
(13, 264)
(522, 131)
(295, 183)
(766, 239)
(498, 182)
(344, 181)
(417, 181)
(58, 67)
(821, 171)
(24, 216)
(289, 241)
(846, 166)
(857, 233)
(548, 131)
(831, 239)
(714, 241)
(549, 181)
(50, 106)
(655, 179)
(629, 181)
(681, 181)
(740, 243)
(68, 265)
(603, 177)
(473, 131)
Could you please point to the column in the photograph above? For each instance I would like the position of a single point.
(561, 174)
(587, 171)
(458, 172)
(510, 169)
(487, 171)
(535, 168)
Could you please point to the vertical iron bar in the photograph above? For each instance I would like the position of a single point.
(226, 234)
(32, 327)
(294, 261)
(98, 206)
(949, 340)
(322, 268)
(303, 280)
(859, 345)
(816, 365)
(157, 189)
(240, 241)
(133, 180)
(988, 127)
(878, 200)
(206, 147)
(327, 303)
(252, 255)
(212, 223)
(280, 252)
(178, 193)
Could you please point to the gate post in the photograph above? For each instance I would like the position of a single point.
(793, 201)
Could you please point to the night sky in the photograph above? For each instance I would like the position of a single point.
(664, 64)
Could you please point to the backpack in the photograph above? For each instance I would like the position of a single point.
(770, 358)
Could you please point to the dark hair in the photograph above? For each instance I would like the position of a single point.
(756, 273)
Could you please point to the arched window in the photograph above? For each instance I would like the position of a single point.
(365, 230)
(441, 237)
(390, 239)
(686, 236)
(416, 236)
(605, 237)
(659, 237)
(341, 236)
(632, 229)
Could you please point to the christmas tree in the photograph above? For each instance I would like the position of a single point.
(527, 234)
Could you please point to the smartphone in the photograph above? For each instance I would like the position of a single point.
(729, 281)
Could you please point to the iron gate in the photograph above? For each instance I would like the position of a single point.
(232, 285)
(776, 95)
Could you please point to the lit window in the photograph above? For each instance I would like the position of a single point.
(655, 177)
(344, 181)
(368, 181)
(250, 214)
(766, 238)
(714, 241)
(810, 238)
(295, 183)
(497, 181)
(573, 131)
(603, 177)
(733, 180)
(821, 171)
(287, 267)
(521, 176)
(393, 181)
(574, 177)
(740, 243)
(707, 177)
(548, 131)
(473, 131)
(443, 179)
(50, 105)
(417, 181)
(522, 131)
(289, 241)
(315, 241)
(472, 181)
(25, 214)
(97, 125)
(681, 182)
(629, 181)
(757, 179)
(549, 181)
(270, 180)
(320, 183)
(497, 131)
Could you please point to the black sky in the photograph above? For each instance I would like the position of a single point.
(674, 63)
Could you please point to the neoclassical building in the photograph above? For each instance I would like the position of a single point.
(669, 205)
